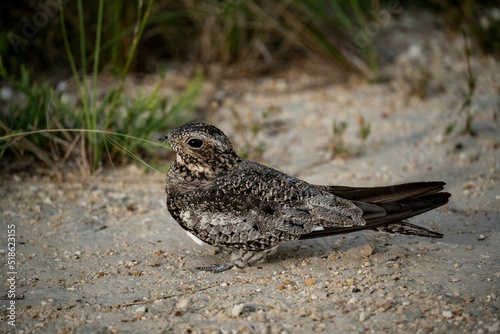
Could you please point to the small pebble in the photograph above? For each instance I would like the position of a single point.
(310, 281)
(236, 310)
(182, 303)
(367, 250)
(447, 314)
(140, 309)
(320, 328)
(494, 328)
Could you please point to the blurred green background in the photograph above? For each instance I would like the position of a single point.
(43, 42)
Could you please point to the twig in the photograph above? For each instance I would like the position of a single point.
(148, 301)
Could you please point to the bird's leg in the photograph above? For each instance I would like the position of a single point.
(243, 258)
(239, 258)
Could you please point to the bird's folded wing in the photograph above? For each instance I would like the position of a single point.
(299, 203)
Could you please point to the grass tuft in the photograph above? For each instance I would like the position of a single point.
(85, 130)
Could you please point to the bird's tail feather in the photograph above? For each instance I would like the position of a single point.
(384, 208)
(386, 194)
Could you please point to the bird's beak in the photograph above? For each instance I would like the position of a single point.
(165, 138)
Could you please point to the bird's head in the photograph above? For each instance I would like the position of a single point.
(201, 148)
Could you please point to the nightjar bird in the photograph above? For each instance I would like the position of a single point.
(226, 201)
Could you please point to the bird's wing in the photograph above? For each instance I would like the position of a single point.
(222, 216)
(301, 205)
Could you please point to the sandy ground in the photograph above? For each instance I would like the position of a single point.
(103, 255)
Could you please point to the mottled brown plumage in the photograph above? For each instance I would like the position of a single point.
(227, 201)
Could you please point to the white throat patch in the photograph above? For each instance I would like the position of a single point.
(192, 167)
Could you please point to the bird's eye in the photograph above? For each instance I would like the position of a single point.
(195, 143)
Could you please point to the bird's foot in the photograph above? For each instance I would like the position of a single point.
(217, 268)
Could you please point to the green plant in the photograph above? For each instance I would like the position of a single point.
(479, 18)
(253, 148)
(449, 128)
(88, 129)
(256, 33)
(42, 123)
(337, 143)
(28, 110)
(364, 128)
(87, 87)
(252, 34)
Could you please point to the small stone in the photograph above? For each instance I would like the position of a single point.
(310, 281)
(140, 309)
(382, 304)
(362, 316)
(349, 281)
(447, 314)
(366, 250)
(481, 237)
(261, 316)
(320, 328)
(494, 328)
(236, 310)
(182, 303)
